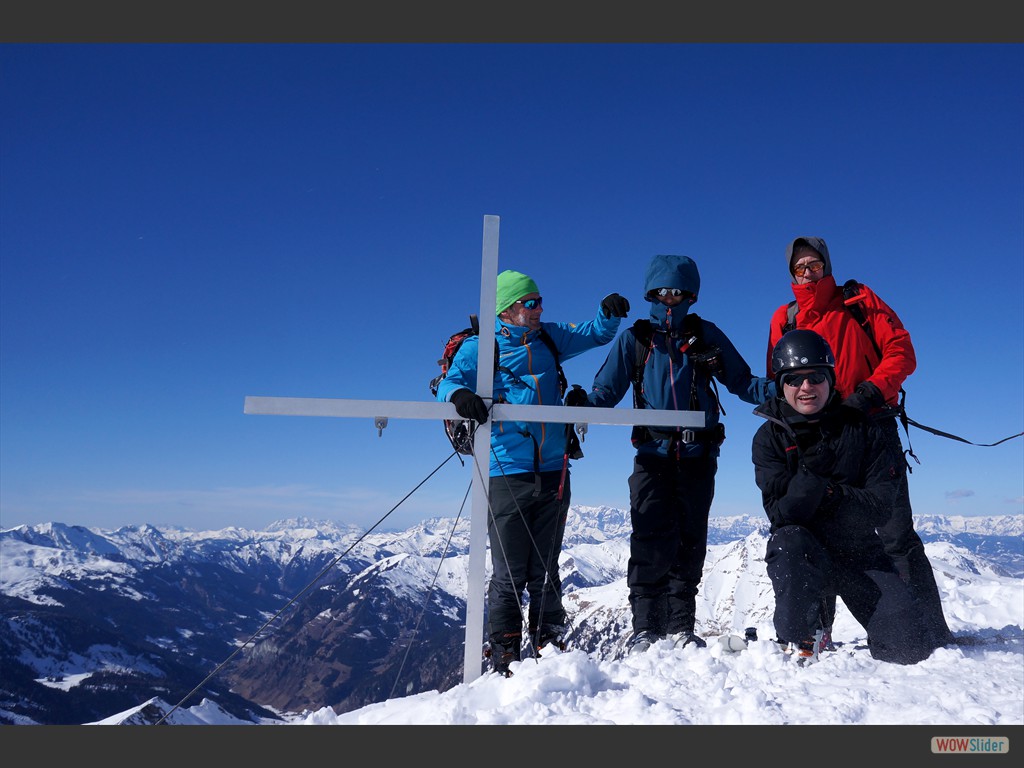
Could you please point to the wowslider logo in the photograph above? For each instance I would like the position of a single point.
(996, 745)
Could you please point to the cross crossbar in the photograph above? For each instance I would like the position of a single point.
(406, 409)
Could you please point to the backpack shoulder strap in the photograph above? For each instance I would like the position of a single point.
(851, 290)
(563, 383)
(474, 325)
(851, 300)
(643, 335)
(790, 317)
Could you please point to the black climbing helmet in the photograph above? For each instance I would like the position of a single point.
(801, 348)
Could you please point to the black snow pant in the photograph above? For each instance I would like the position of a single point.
(669, 503)
(904, 546)
(525, 530)
(803, 572)
(906, 549)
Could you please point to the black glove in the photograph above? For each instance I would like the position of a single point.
(819, 459)
(710, 358)
(576, 396)
(614, 305)
(865, 397)
(832, 499)
(469, 405)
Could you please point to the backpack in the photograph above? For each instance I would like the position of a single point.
(851, 300)
(851, 292)
(458, 431)
(701, 354)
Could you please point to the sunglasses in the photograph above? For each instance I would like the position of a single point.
(796, 379)
(814, 266)
(662, 293)
(532, 303)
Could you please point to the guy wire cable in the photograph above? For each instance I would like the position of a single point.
(430, 590)
(533, 543)
(302, 591)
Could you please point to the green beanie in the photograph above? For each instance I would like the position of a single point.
(511, 287)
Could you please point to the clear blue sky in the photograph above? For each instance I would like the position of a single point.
(185, 225)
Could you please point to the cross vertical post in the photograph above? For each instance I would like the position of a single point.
(481, 456)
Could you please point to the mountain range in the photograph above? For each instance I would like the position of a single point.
(160, 624)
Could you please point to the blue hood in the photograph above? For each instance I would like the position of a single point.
(670, 272)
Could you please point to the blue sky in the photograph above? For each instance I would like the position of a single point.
(185, 225)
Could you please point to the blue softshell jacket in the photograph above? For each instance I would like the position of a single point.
(671, 382)
(526, 375)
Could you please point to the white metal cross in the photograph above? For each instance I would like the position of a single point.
(381, 410)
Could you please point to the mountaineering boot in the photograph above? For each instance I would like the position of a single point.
(551, 634)
(640, 641)
(683, 639)
(826, 640)
(808, 651)
(502, 649)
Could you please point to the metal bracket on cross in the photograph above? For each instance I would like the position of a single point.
(381, 410)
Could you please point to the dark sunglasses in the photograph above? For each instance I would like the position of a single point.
(796, 379)
(532, 303)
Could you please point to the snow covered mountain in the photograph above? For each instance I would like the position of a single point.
(261, 626)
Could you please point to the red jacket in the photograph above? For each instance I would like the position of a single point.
(820, 309)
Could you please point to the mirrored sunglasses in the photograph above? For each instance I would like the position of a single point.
(532, 303)
(796, 379)
(664, 293)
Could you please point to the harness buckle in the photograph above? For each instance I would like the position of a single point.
(687, 436)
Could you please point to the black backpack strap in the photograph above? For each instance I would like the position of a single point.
(906, 420)
(704, 357)
(790, 317)
(474, 325)
(643, 339)
(573, 449)
(851, 290)
(563, 383)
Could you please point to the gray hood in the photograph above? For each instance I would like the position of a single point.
(817, 244)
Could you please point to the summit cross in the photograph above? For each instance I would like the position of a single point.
(382, 410)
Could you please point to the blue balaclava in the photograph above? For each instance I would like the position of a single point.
(671, 272)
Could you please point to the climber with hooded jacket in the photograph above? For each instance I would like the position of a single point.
(673, 361)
